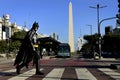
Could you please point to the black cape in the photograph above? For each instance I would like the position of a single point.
(25, 53)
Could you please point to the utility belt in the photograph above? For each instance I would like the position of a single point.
(37, 52)
(36, 45)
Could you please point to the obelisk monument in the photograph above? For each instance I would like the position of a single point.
(71, 33)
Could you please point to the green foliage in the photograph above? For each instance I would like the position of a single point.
(91, 38)
(3, 46)
(19, 35)
(15, 45)
(90, 45)
(16, 40)
(109, 43)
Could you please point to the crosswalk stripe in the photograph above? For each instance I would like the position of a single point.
(84, 74)
(24, 75)
(55, 74)
(111, 73)
(11, 70)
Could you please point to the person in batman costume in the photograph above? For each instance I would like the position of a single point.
(27, 52)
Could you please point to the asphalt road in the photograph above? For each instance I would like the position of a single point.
(63, 69)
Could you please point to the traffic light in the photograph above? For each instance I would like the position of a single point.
(118, 16)
(118, 20)
(119, 6)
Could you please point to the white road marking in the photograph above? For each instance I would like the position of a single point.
(84, 74)
(111, 73)
(55, 74)
(24, 75)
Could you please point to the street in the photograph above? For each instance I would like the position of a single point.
(73, 68)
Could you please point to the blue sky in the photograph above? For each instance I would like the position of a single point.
(52, 15)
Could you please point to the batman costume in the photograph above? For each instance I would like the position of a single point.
(27, 52)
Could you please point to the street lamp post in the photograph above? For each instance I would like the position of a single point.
(91, 43)
(100, 24)
(99, 34)
(90, 29)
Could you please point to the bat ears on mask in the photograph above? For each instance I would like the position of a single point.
(35, 24)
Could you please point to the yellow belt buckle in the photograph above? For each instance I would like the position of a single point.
(35, 45)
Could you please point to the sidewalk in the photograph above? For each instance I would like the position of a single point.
(6, 60)
(113, 65)
(110, 59)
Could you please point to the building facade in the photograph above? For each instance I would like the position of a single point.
(0, 28)
(5, 27)
(54, 36)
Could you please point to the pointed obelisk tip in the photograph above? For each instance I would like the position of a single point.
(70, 3)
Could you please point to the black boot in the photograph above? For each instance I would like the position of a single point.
(18, 69)
(39, 73)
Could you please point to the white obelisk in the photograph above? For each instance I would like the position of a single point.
(71, 35)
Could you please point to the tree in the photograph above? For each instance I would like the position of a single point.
(90, 46)
(18, 35)
(92, 40)
(16, 40)
(112, 44)
(3, 46)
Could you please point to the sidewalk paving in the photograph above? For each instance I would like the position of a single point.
(112, 66)
(5, 60)
(108, 59)
(49, 57)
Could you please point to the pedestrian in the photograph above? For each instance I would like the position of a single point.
(27, 52)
